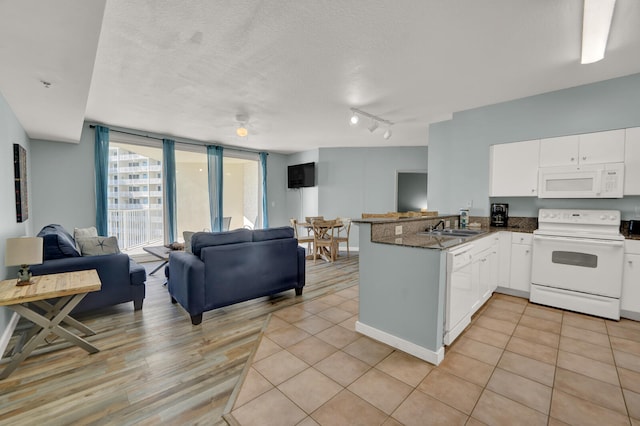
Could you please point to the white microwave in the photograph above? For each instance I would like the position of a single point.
(587, 181)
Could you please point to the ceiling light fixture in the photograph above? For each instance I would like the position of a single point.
(242, 131)
(242, 123)
(596, 23)
(375, 121)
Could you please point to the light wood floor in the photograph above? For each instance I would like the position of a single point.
(154, 367)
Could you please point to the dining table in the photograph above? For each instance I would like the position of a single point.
(325, 246)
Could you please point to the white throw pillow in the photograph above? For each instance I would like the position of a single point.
(98, 246)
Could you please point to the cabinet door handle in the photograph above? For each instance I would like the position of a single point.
(527, 251)
(584, 158)
(573, 159)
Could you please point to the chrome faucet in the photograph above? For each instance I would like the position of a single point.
(441, 222)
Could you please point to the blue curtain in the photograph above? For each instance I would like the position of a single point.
(265, 215)
(101, 159)
(214, 163)
(169, 171)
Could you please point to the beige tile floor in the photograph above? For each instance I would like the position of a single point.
(518, 363)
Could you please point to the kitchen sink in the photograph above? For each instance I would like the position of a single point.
(453, 232)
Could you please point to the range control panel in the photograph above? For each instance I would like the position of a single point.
(585, 222)
(585, 217)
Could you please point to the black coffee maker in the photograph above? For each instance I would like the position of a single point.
(499, 214)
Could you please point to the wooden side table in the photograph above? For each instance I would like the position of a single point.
(70, 288)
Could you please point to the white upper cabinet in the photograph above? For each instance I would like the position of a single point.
(632, 162)
(514, 169)
(602, 147)
(588, 148)
(559, 151)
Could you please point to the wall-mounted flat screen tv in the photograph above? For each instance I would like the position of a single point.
(301, 175)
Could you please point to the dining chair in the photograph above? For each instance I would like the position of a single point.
(324, 243)
(310, 219)
(342, 235)
(301, 239)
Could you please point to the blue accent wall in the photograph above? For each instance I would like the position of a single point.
(11, 132)
(459, 148)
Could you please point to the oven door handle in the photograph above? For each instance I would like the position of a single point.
(580, 240)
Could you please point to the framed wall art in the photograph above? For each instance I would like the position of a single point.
(20, 173)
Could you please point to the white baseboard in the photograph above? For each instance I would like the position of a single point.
(6, 334)
(630, 315)
(401, 344)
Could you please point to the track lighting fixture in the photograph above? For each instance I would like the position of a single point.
(596, 23)
(375, 121)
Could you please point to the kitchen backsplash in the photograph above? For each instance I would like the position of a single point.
(516, 224)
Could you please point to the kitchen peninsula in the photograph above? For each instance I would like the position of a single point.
(403, 284)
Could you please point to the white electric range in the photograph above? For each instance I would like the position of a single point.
(577, 261)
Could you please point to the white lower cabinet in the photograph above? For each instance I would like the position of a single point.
(472, 276)
(520, 265)
(504, 258)
(630, 299)
(485, 271)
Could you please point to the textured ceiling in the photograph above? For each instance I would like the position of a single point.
(186, 68)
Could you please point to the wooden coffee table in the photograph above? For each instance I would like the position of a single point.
(69, 288)
(161, 252)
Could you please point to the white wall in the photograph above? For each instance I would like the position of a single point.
(12, 132)
(459, 148)
(352, 181)
(277, 190)
(302, 202)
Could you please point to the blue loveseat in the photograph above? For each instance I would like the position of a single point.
(123, 280)
(230, 267)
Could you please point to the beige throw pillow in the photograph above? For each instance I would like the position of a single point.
(187, 240)
(85, 232)
(98, 246)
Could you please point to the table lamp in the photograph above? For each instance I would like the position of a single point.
(23, 251)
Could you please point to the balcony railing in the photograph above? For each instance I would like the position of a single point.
(139, 181)
(136, 228)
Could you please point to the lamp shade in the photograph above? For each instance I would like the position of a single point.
(23, 251)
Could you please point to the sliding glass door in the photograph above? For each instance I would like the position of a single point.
(136, 213)
(192, 189)
(135, 195)
(242, 190)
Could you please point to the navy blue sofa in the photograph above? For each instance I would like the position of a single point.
(123, 280)
(230, 267)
